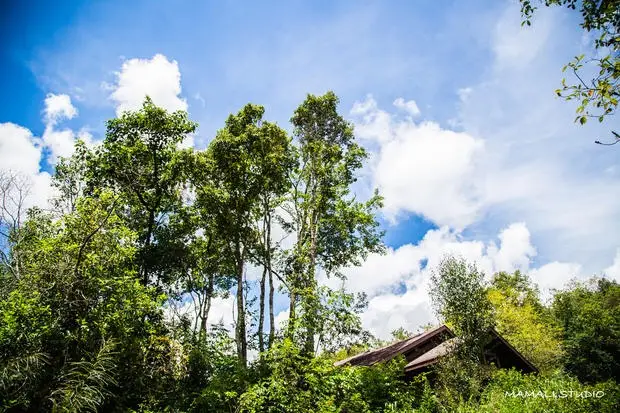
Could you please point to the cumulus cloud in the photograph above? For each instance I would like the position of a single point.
(397, 282)
(421, 168)
(555, 275)
(157, 77)
(512, 154)
(408, 106)
(18, 149)
(613, 271)
(59, 142)
(20, 152)
(58, 107)
(538, 166)
(516, 249)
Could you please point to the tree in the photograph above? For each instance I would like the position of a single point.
(245, 169)
(91, 327)
(192, 247)
(332, 228)
(524, 321)
(589, 314)
(458, 293)
(141, 160)
(598, 97)
(275, 159)
(338, 323)
(14, 191)
(69, 178)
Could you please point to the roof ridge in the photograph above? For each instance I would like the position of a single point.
(396, 347)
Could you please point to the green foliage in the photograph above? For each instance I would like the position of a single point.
(140, 160)
(589, 314)
(333, 229)
(524, 322)
(510, 391)
(302, 384)
(598, 97)
(338, 321)
(78, 290)
(458, 291)
(459, 296)
(70, 178)
(245, 164)
(85, 383)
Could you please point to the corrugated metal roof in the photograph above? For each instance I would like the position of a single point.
(420, 342)
(432, 355)
(370, 357)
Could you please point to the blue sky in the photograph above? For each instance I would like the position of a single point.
(489, 165)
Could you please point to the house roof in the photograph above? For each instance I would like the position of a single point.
(417, 346)
(370, 357)
(431, 356)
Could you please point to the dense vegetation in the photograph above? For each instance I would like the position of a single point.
(105, 298)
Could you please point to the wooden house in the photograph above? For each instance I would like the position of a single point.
(422, 350)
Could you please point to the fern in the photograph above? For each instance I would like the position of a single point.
(84, 386)
(16, 371)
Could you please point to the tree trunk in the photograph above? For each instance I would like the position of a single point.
(291, 312)
(261, 311)
(311, 310)
(207, 305)
(147, 246)
(272, 327)
(242, 347)
(272, 319)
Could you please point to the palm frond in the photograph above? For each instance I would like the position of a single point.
(16, 371)
(84, 385)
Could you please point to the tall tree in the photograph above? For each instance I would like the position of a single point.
(70, 177)
(139, 159)
(275, 160)
(597, 97)
(459, 296)
(245, 167)
(332, 228)
(15, 189)
(589, 314)
(524, 321)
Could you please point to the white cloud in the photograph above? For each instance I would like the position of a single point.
(221, 311)
(281, 318)
(59, 142)
(538, 166)
(516, 157)
(516, 249)
(397, 282)
(613, 271)
(18, 149)
(464, 93)
(387, 313)
(58, 107)
(408, 106)
(554, 276)
(157, 77)
(422, 168)
(20, 152)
